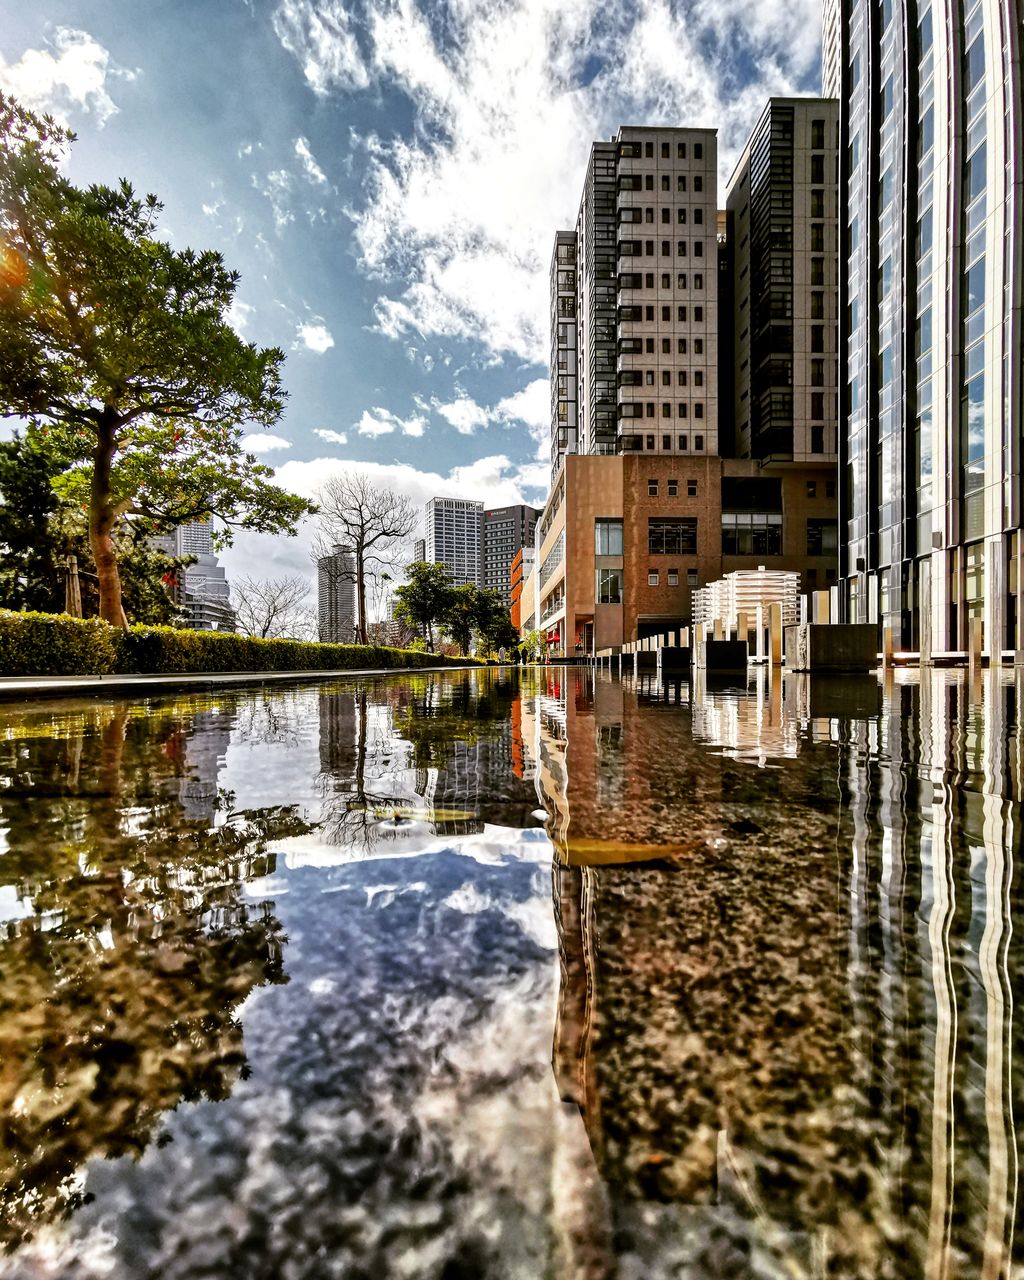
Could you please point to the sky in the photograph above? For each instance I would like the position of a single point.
(387, 176)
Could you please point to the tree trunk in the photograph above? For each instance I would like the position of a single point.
(101, 521)
(360, 595)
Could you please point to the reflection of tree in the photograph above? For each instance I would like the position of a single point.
(117, 995)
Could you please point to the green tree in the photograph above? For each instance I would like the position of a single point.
(38, 531)
(462, 616)
(532, 644)
(424, 600)
(118, 347)
(494, 622)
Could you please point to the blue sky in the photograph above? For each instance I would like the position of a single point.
(387, 176)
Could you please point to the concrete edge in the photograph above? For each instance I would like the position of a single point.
(19, 688)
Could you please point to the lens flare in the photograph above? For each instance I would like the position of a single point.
(13, 268)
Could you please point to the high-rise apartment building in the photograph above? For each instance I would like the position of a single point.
(781, 237)
(506, 531)
(636, 349)
(649, 498)
(336, 596)
(932, 232)
(453, 535)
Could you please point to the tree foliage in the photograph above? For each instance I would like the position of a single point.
(118, 347)
(424, 600)
(39, 530)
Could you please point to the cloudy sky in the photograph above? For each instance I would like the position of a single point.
(387, 176)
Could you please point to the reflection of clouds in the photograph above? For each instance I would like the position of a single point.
(491, 846)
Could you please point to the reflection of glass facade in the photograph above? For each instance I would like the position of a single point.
(930, 316)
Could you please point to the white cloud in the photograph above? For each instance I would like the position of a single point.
(318, 33)
(277, 187)
(331, 437)
(71, 75)
(238, 316)
(464, 414)
(456, 220)
(382, 422)
(494, 480)
(310, 167)
(532, 406)
(316, 336)
(261, 442)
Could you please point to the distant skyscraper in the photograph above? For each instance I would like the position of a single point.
(336, 596)
(453, 535)
(419, 550)
(931, 322)
(506, 531)
(203, 587)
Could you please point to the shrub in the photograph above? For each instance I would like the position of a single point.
(56, 644)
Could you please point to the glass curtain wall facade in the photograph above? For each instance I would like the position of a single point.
(930, 315)
(564, 368)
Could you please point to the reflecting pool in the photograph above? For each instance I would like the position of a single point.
(514, 975)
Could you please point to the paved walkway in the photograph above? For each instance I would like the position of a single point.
(15, 688)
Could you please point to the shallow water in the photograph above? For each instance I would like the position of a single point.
(474, 975)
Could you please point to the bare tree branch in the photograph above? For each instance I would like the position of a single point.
(371, 522)
(274, 608)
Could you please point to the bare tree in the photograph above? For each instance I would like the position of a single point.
(371, 522)
(274, 608)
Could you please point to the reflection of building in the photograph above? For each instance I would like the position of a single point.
(931, 321)
(336, 596)
(205, 752)
(812, 969)
(453, 535)
(202, 587)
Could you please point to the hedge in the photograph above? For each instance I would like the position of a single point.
(55, 644)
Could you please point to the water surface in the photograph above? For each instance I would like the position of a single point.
(489, 975)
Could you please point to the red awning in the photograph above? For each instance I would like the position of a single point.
(553, 637)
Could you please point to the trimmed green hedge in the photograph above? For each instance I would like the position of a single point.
(54, 644)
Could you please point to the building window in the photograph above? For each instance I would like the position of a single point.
(681, 184)
(691, 488)
(649, 248)
(691, 577)
(683, 440)
(698, 214)
(822, 538)
(817, 337)
(682, 212)
(666, 252)
(698, 185)
(608, 537)
(698, 343)
(650, 443)
(817, 271)
(698, 280)
(751, 533)
(698, 315)
(817, 373)
(665, 153)
(609, 586)
(672, 535)
(649, 377)
(673, 485)
(681, 377)
(698, 379)
(649, 150)
(666, 441)
(649, 214)
(652, 577)
(817, 202)
(649, 280)
(698, 409)
(817, 306)
(698, 248)
(817, 439)
(666, 346)
(818, 135)
(817, 237)
(666, 313)
(666, 215)
(652, 485)
(666, 182)
(817, 168)
(698, 441)
(681, 251)
(666, 377)
(681, 311)
(673, 577)
(666, 411)
(683, 411)
(682, 344)
(698, 151)
(681, 150)
(649, 315)
(817, 406)
(649, 342)
(649, 408)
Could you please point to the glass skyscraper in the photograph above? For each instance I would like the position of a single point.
(931, 231)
